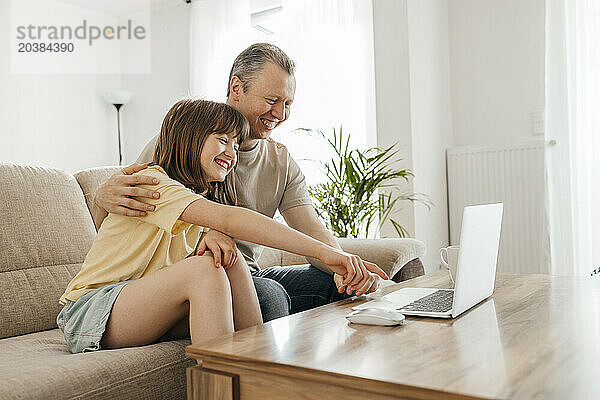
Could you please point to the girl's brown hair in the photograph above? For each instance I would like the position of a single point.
(184, 130)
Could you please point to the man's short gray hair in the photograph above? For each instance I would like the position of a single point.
(248, 64)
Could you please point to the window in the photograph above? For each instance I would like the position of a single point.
(331, 42)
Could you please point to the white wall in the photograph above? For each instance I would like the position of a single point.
(60, 120)
(431, 119)
(497, 69)
(454, 73)
(53, 120)
(392, 88)
(155, 93)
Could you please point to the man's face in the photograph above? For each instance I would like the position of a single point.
(267, 101)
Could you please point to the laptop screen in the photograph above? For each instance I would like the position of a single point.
(479, 241)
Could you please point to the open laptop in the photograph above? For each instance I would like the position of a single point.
(475, 273)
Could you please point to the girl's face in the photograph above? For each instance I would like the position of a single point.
(218, 156)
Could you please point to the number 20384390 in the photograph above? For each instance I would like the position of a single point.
(45, 47)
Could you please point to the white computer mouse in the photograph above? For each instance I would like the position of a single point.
(376, 316)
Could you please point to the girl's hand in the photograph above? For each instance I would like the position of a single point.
(221, 246)
(355, 271)
(372, 284)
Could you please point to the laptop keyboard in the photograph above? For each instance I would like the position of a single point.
(439, 301)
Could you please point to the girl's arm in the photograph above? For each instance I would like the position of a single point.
(253, 227)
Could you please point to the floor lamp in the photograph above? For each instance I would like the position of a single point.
(117, 98)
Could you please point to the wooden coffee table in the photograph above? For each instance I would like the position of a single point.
(537, 337)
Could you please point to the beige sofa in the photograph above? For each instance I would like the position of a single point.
(45, 233)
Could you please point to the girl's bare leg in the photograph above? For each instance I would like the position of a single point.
(150, 306)
(246, 309)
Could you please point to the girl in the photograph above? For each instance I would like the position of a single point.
(141, 281)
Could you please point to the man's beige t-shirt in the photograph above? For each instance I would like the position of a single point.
(132, 247)
(267, 179)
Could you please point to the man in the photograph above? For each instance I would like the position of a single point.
(262, 87)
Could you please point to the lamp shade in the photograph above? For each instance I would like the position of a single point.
(117, 96)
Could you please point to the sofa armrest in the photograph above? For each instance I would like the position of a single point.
(390, 254)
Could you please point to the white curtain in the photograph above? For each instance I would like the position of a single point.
(219, 31)
(331, 42)
(573, 118)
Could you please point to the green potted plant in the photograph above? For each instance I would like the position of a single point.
(350, 200)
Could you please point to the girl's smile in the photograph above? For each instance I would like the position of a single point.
(218, 156)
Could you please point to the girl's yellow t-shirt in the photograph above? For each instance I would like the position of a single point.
(128, 248)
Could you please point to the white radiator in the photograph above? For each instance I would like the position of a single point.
(512, 174)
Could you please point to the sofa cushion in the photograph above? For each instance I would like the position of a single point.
(45, 233)
(29, 297)
(39, 366)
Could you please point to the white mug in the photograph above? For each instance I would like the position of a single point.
(450, 260)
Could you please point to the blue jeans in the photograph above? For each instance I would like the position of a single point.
(288, 290)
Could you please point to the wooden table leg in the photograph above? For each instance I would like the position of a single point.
(209, 384)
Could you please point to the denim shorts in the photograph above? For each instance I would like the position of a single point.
(83, 322)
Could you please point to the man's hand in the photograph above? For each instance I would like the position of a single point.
(354, 271)
(221, 246)
(372, 284)
(115, 195)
